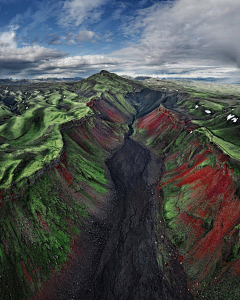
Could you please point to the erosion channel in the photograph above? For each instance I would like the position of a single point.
(121, 259)
(128, 268)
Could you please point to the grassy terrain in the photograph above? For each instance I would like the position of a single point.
(228, 148)
(209, 105)
(31, 118)
(35, 236)
(39, 226)
(198, 193)
(30, 138)
(109, 86)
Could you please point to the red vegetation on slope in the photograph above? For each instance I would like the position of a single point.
(113, 114)
(89, 135)
(64, 173)
(90, 103)
(159, 120)
(97, 137)
(211, 196)
(63, 169)
(26, 272)
(199, 191)
(42, 223)
(186, 173)
(108, 110)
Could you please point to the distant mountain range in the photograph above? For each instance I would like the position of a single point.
(11, 81)
(208, 79)
(36, 80)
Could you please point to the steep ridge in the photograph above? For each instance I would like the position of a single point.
(46, 223)
(40, 228)
(198, 196)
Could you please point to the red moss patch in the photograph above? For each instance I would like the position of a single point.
(28, 277)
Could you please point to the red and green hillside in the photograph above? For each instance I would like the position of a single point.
(199, 200)
(112, 189)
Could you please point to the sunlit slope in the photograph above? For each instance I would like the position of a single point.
(111, 88)
(32, 121)
(31, 139)
(38, 228)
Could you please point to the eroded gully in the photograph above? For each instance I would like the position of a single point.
(128, 267)
(119, 257)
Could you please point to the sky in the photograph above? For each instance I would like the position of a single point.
(77, 38)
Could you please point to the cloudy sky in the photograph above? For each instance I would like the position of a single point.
(170, 38)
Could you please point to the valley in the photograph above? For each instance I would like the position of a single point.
(115, 189)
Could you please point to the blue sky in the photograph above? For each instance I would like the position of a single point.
(171, 38)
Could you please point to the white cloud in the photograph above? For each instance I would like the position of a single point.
(34, 53)
(92, 60)
(9, 50)
(7, 40)
(108, 37)
(78, 63)
(37, 61)
(84, 36)
(118, 13)
(14, 60)
(75, 12)
(184, 36)
(22, 62)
